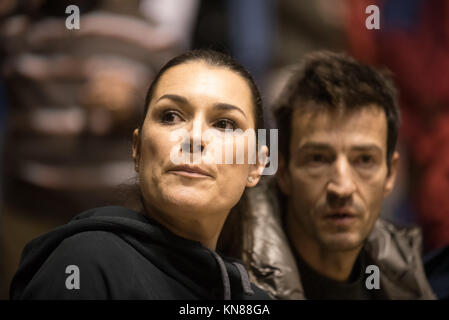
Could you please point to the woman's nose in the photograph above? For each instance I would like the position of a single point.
(196, 137)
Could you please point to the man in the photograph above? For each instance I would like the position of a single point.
(322, 237)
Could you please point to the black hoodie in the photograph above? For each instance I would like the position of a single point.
(121, 254)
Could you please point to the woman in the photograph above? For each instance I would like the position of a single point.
(167, 251)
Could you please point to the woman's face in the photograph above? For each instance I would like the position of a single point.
(194, 98)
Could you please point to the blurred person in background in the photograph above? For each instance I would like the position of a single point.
(317, 238)
(74, 95)
(413, 42)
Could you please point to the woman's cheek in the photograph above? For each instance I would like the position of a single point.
(159, 143)
(232, 181)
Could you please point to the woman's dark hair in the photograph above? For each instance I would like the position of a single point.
(230, 240)
(215, 59)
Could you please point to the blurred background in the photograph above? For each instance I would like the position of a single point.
(70, 99)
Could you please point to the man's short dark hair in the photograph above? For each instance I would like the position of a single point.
(334, 81)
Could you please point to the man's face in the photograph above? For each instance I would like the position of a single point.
(337, 175)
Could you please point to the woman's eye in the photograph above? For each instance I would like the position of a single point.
(225, 124)
(171, 117)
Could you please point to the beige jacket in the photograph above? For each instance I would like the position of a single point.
(272, 266)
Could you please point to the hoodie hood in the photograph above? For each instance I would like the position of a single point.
(203, 271)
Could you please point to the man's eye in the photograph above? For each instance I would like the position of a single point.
(317, 159)
(225, 124)
(171, 117)
(365, 160)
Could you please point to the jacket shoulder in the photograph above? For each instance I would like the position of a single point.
(81, 267)
(398, 252)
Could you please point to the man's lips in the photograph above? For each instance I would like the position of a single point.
(191, 171)
(341, 216)
(341, 212)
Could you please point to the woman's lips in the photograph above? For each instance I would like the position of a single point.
(189, 174)
(190, 171)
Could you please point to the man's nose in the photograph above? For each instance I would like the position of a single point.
(341, 185)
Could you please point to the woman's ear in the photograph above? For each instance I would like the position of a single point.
(136, 149)
(256, 169)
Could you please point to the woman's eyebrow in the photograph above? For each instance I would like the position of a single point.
(227, 106)
(174, 98)
(183, 100)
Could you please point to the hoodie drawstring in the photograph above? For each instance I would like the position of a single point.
(246, 285)
(245, 279)
(224, 277)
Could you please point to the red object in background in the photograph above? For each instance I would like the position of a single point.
(417, 52)
(434, 200)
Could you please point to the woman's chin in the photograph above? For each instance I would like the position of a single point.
(190, 199)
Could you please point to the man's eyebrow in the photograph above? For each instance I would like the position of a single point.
(227, 106)
(315, 145)
(174, 98)
(367, 147)
(325, 146)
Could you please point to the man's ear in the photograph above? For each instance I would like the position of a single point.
(283, 177)
(391, 179)
(256, 169)
(136, 149)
